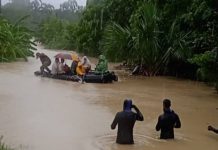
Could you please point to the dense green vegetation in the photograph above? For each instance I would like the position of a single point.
(53, 33)
(208, 63)
(21, 20)
(15, 41)
(168, 37)
(164, 37)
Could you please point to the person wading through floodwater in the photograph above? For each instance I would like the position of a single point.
(167, 121)
(46, 61)
(126, 120)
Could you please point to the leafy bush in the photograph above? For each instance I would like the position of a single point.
(208, 63)
(15, 41)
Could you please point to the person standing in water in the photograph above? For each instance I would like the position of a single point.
(45, 60)
(126, 120)
(167, 121)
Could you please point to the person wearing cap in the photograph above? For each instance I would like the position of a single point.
(126, 120)
(45, 60)
(167, 121)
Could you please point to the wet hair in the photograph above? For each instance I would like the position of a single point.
(166, 103)
(127, 104)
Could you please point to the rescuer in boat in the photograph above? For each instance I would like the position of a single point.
(167, 121)
(45, 60)
(102, 65)
(126, 120)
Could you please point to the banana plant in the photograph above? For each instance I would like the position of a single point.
(15, 41)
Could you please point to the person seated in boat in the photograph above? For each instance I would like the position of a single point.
(45, 60)
(210, 128)
(102, 65)
(61, 67)
(74, 65)
(80, 69)
(55, 67)
(86, 64)
(67, 69)
(126, 120)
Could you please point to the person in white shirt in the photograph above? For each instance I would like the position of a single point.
(55, 67)
(86, 64)
(61, 67)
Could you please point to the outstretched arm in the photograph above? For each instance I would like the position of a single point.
(114, 123)
(139, 114)
(210, 128)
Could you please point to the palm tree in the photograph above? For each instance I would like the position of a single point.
(138, 43)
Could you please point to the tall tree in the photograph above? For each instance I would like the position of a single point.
(70, 5)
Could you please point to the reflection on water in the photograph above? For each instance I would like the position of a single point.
(44, 114)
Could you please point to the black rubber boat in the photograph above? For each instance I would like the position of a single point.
(91, 77)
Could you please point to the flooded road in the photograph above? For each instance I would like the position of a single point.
(46, 114)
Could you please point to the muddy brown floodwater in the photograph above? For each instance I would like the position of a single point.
(45, 114)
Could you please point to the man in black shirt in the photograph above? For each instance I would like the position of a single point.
(126, 120)
(167, 121)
